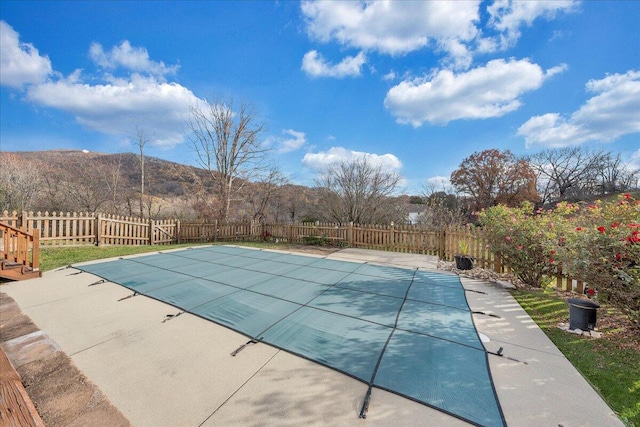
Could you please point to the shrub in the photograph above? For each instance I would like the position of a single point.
(316, 240)
(603, 249)
(524, 240)
(597, 243)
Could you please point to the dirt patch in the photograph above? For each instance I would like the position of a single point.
(315, 250)
(62, 395)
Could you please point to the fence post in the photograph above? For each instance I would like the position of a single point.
(350, 234)
(178, 237)
(497, 263)
(441, 249)
(35, 253)
(392, 237)
(151, 226)
(21, 221)
(98, 229)
(215, 234)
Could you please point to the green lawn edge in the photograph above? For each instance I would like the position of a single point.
(612, 369)
(52, 258)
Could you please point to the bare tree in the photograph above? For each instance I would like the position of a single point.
(615, 175)
(441, 208)
(92, 191)
(358, 192)
(265, 191)
(19, 182)
(227, 144)
(141, 139)
(293, 202)
(54, 195)
(113, 178)
(565, 173)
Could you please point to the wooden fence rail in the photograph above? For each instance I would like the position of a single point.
(66, 229)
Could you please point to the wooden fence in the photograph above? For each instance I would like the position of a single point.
(70, 229)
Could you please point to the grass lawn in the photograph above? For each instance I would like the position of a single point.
(56, 257)
(611, 364)
(52, 258)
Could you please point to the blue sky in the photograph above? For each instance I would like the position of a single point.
(415, 86)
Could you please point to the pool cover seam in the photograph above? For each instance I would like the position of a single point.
(365, 405)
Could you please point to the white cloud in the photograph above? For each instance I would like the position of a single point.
(321, 160)
(437, 184)
(613, 111)
(315, 65)
(115, 107)
(293, 141)
(20, 63)
(390, 27)
(119, 106)
(452, 27)
(634, 161)
(131, 58)
(492, 90)
(438, 180)
(508, 16)
(391, 75)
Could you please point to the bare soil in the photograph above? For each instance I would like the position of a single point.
(314, 249)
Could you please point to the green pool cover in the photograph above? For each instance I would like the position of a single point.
(406, 331)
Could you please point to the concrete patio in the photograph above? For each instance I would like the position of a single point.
(180, 372)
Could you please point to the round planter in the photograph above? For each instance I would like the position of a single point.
(463, 262)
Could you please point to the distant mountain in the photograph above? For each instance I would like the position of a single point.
(79, 180)
(162, 177)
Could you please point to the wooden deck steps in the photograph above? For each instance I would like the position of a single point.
(17, 271)
(19, 253)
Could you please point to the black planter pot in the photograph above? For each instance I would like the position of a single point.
(463, 262)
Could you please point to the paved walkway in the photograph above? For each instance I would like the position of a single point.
(180, 372)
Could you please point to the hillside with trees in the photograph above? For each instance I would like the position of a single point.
(73, 180)
(359, 192)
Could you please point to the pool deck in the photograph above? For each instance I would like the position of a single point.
(180, 372)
